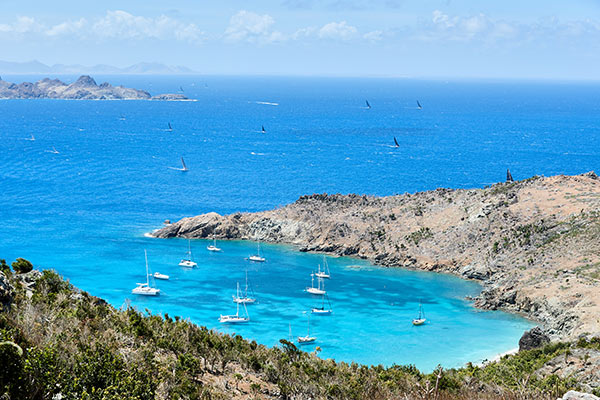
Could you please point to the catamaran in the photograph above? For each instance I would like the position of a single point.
(316, 290)
(307, 339)
(145, 289)
(325, 274)
(257, 257)
(235, 319)
(243, 297)
(420, 320)
(322, 310)
(183, 168)
(213, 247)
(187, 262)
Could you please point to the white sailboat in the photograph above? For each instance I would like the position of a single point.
(307, 339)
(145, 289)
(320, 289)
(183, 168)
(53, 151)
(420, 320)
(257, 257)
(236, 318)
(325, 274)
(243, 297)
(213, 247)
(187, 262)
(322, 310)
(31, 139)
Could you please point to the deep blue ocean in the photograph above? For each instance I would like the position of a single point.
(84, 211)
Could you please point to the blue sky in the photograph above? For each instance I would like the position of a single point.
(432, 39)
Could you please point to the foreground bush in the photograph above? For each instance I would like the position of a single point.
(57, 341)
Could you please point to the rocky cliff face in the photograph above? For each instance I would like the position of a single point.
(85, 88)
(535, 244)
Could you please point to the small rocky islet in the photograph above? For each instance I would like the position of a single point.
(84, 88)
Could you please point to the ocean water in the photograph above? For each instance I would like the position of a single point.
(84, 211)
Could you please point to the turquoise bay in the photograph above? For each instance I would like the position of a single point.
(85, 210)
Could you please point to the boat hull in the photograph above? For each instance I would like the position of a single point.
(418, 322)
(315, 291)
(232, 319)
(187, 264)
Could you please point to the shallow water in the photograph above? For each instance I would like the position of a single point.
(84, 211)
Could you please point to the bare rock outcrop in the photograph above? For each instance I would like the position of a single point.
(532, 339)
(6, 292)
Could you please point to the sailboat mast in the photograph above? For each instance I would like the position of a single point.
(147, 277)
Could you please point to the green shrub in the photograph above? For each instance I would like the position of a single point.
(22, 266)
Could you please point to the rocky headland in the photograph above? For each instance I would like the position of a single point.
(533, 244)
(85, 88)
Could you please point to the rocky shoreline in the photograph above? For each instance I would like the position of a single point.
(85, 88)
(533, 244)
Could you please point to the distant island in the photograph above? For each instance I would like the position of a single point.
(84, 88)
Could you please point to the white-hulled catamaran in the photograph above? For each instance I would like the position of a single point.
(213, 247)
(320, 289)
(420, 320)
(257, 257)
(243, 297)
(236, 318)
(187, 261)
(145, 289)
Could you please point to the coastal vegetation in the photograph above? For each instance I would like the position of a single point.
(57, 342)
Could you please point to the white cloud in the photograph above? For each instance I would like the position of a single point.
(251, 27)
(120, 24)
(337, 30)
(21, 25)
(466, 28)
(373, 36)
(67, 27)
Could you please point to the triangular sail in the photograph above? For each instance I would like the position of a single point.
(183, 164)
(509, 177)
(396, 142)
(368, 105)
(419, 106)
(263, 129)
(170, 127)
